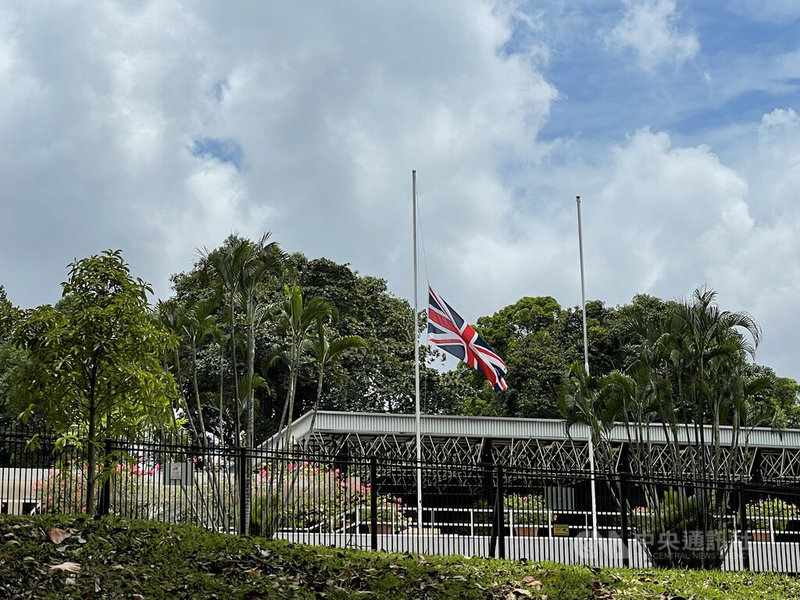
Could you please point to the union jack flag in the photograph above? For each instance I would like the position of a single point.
(448, 330)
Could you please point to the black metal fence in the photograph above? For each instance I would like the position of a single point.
(602, 519)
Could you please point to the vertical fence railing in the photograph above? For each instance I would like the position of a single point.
(362, 502)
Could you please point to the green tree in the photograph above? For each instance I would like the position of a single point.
(264, 261)
(328, 350)
(9, 314)
(95, 368)
(12, 358)
(690, 374)
(297, 320)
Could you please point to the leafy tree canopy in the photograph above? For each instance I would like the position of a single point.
(95, 370)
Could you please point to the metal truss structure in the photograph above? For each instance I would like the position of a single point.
(470, 442)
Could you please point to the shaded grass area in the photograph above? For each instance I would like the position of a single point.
(74, 557)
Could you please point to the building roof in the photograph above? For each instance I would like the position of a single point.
(500, 428)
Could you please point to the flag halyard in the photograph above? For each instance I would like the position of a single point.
(452, 334)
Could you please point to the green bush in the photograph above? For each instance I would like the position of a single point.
(306, 496)
(779, 511)
(527, 509)
(391, 510)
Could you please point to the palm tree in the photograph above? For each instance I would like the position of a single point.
(297, 320)
(226, 264)
(199, 324)
(326, 352)
(172, 315)
(242, 267)
(264, 260)
(710, 346)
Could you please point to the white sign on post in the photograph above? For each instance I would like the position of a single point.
(175, 471)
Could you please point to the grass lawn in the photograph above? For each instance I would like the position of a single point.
(135, 560)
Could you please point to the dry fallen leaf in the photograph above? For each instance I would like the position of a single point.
(532, 582)
(57, 535)
(70, 567)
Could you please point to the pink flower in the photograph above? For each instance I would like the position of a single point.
(194, 459)
(50, 496)
(150, 472)
(290, 466)
(399, 500)
(158, 467)
(263, 473)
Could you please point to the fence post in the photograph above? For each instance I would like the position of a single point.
(243, 517)
(623, 497)
(105, 492)
(373, 503)
(498, 513)
(745, 534)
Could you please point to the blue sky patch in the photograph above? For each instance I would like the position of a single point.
(225, 150)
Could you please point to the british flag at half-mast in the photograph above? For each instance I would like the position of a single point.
(452, 334)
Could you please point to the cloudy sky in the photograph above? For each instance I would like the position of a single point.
(161, 127)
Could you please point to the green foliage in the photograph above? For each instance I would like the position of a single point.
(674, 512)
(772, 513)
(121, 557)
(305, 496)
(391, 511)
(9, 315)
(96, 354)
(380, 377)
(527, 509)
(95, 370)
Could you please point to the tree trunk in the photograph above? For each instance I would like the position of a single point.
(249, 409)
(221, 432)
(90, 462)
(314, 410)
(203, 439)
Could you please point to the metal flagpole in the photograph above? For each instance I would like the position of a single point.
(586, 366)
(416, 360)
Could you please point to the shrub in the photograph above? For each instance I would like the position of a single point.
(391, 510)
(306, 496)
(528, 509)
(779, 511)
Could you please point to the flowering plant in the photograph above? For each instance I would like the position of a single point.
(527, 509)
(306, 496)
(778, 511)
(391, 510)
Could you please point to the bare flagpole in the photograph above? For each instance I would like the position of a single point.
(586, 366)
(417, 418)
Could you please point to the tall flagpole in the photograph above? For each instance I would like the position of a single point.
(416, 360)
(586, 366)
(583, 290)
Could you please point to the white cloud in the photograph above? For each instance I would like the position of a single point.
(332, 107)
(650, 29)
